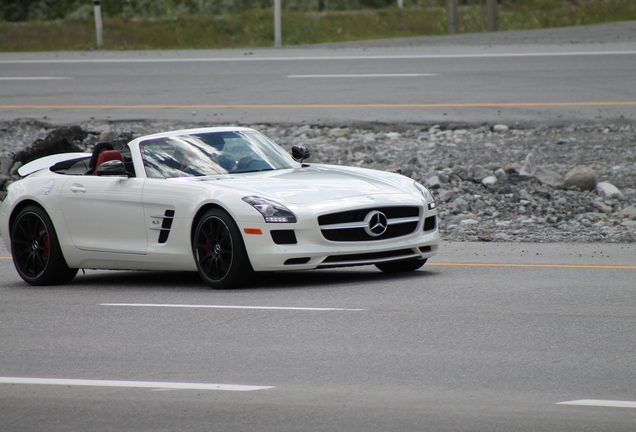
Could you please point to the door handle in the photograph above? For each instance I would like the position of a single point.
(78, 188)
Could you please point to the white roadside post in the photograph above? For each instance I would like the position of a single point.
(278, 39)
(400, 4)
(98, 24)
(491, 8)
(453, 21)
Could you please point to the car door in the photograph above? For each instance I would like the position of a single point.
(105, 213)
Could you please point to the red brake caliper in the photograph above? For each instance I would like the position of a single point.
(47, 245)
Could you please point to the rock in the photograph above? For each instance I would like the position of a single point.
(500, 128)
(467, 222)
(433, 183)
(446, 195)
(460, 205)
(14, 169)
(501, 237)
(489, 181)
(5, 165)
(608, 190)
(528, 165)
(628, 212)
(479, 173)
(107, 136)
(501, 174)
(3, 180)
(582, 177)
(602, 207)
(549, 177)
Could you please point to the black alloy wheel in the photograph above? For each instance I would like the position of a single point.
(219, 251)
(36, 250)
(401, 266)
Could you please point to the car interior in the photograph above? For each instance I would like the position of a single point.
(102, 152)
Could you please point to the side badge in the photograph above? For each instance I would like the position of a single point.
(48, 187)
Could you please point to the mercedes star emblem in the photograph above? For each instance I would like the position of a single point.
(376, 223)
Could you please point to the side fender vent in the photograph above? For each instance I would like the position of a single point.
(166, 224)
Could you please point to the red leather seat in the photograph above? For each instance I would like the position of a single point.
(107, 155)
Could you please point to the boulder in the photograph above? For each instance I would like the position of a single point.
(582, 177)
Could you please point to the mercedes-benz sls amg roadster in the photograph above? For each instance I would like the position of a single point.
(225, 201)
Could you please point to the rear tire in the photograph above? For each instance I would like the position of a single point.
(36, 251)
(219, 251)
(401, 266)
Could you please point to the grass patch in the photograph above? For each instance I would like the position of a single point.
(254, 28)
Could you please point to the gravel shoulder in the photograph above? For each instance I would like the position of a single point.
(492, 183)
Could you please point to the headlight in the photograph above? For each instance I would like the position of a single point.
(272, 211)
(428, 196)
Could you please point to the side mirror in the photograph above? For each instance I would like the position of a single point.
(112, 168)
(300, 153)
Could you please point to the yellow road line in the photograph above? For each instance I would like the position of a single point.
(460, 105)
(533, 265)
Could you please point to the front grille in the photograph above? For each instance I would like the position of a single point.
(358, 215)
(350, 226)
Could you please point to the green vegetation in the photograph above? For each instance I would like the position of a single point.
(169, 24)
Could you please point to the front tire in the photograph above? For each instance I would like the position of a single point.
(401, 266)
(36, 251)
(219, 251)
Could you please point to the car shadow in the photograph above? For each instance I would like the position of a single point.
(331, 278)
(170, 280)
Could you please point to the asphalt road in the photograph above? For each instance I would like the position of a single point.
(553, 76)
(485, 337)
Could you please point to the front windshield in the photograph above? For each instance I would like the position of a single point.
(212, 153)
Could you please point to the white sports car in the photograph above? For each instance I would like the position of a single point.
(226, 202)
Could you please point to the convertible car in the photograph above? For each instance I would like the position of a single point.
(226, 202)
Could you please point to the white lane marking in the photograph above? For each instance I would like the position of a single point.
(132, 384)
(386, 75)
(319, 309)
(42, 78)
(600, 403)
(377, 57)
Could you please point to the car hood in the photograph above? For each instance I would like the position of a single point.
(313, 184)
